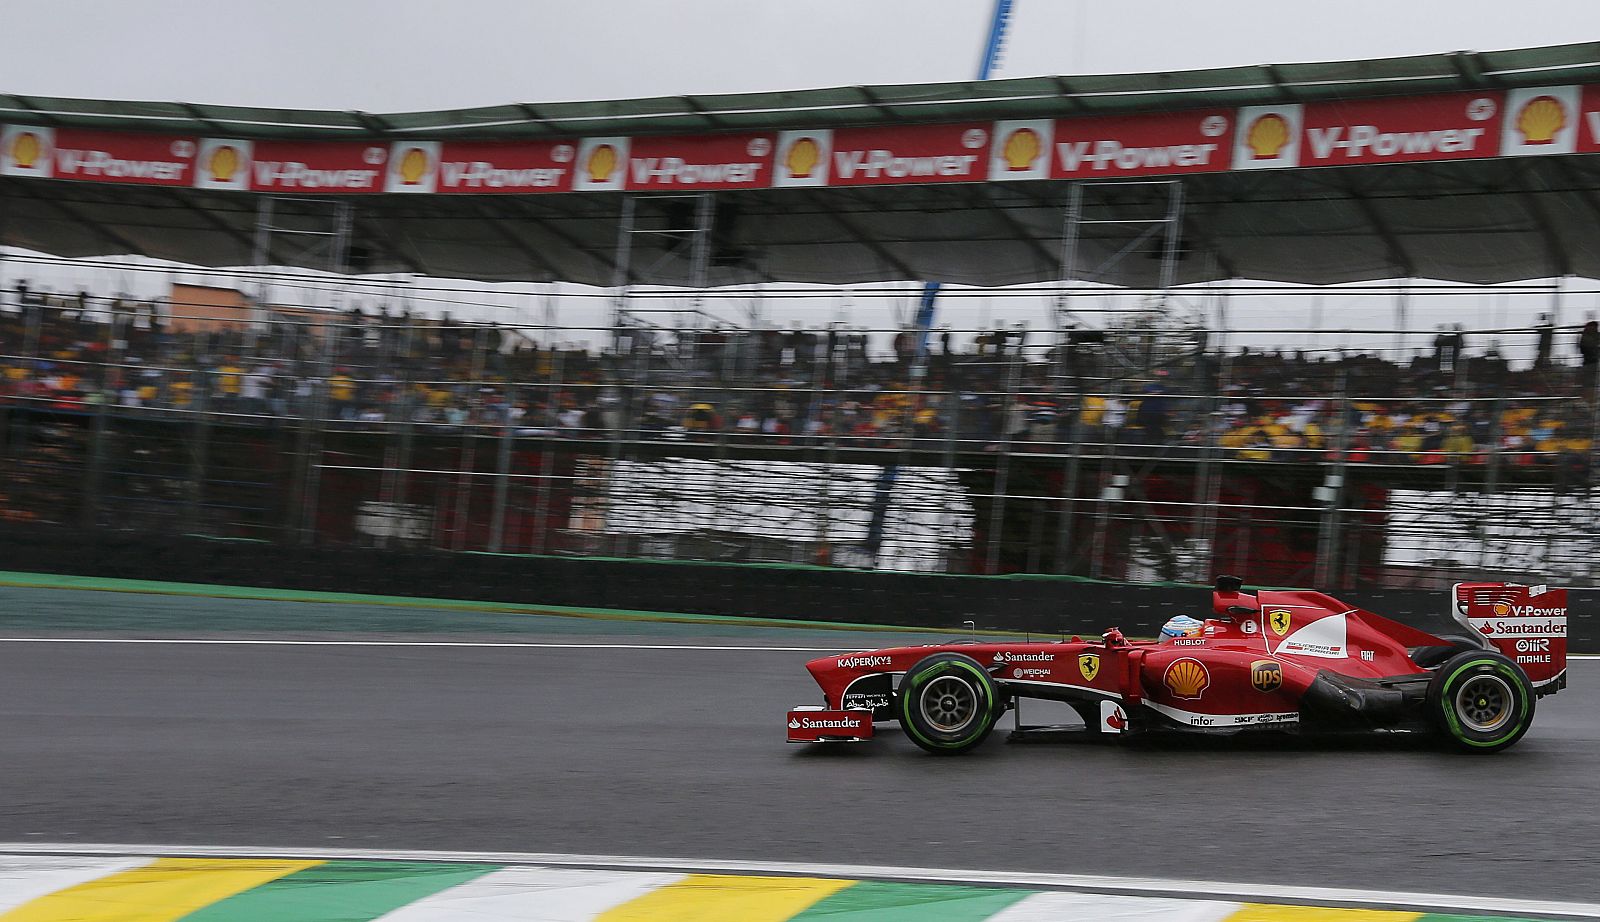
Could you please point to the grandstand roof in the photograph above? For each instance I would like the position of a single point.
(1023, 97)
(1469, 220)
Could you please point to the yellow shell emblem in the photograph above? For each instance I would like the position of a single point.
(803, 157)
(1268, 136)
(1021, 149)
(1280, 620)
(602, 163)
(413, 165)
(224, 163)
(1187, 678)
(1541, 119)
(26, 150)
(1089, 666)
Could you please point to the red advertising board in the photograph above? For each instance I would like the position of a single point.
(482, 167)
(1589, 121)
(729, 161)
(1452, 126)
(1142, 145)
(317, 166)
(119, 157)
(909, 154)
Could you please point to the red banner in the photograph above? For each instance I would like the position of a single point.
(1523, 121)
(909, 154)
(736, 161)
(505, 166)
(97, 156)
(1142, 145)
(317, 166)
(1453, 126)
(1589, 125)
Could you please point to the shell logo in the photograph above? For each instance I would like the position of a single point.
(1541, 119)
(25, 150)
(1268, 136)
(804, 154)
(1280, 621)
(1503, 609)
(1022, 147)
(224, 163)
(602, 163)
(413, 166)
(1187, 678)
(1089, 666)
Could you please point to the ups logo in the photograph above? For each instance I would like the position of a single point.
(1279, 619)
(1266, 675)
(1089, 665)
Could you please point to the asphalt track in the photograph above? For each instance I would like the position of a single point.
(679, 752)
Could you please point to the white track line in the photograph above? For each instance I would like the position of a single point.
(1086, 883)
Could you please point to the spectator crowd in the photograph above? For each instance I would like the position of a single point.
(1450, 403)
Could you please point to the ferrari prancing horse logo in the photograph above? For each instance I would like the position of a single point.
(1279, 619)
(1089, 665)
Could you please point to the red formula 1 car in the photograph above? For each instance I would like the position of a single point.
(1272, 660)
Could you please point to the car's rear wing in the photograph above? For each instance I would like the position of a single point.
(1526, 623)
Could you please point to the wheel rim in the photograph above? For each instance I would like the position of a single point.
(949, 704)
(1484, 703)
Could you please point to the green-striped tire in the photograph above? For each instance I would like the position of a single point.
(947, 703)
(1480, 701)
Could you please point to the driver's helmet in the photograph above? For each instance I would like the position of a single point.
(1181, 626)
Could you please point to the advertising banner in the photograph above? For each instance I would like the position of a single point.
(729, 161)
(487, 167)
(1143, 145)
(1267, 137)
(1021, 149)
(1451, 126)
(908, 154)
(223, 163)
(322, 167)
(802, 158)
(1589, 120)
(601, 165)
(96, 156)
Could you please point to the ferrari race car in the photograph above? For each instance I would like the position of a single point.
(1282, 660)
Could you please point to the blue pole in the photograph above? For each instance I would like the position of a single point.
(884, 490)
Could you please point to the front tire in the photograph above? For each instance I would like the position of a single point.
(947, 703)
(1480, 701)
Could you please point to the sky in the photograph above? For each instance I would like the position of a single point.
(410, 55)
(406, 55)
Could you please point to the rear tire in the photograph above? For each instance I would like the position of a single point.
(1480, 701)
(947, 703)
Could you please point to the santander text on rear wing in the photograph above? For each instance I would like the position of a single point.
(1526, 623)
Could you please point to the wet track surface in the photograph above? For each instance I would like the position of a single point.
(680, 752)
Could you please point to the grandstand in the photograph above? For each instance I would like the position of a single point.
(1138, 377)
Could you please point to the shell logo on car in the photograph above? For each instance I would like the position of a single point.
(1187, 678)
